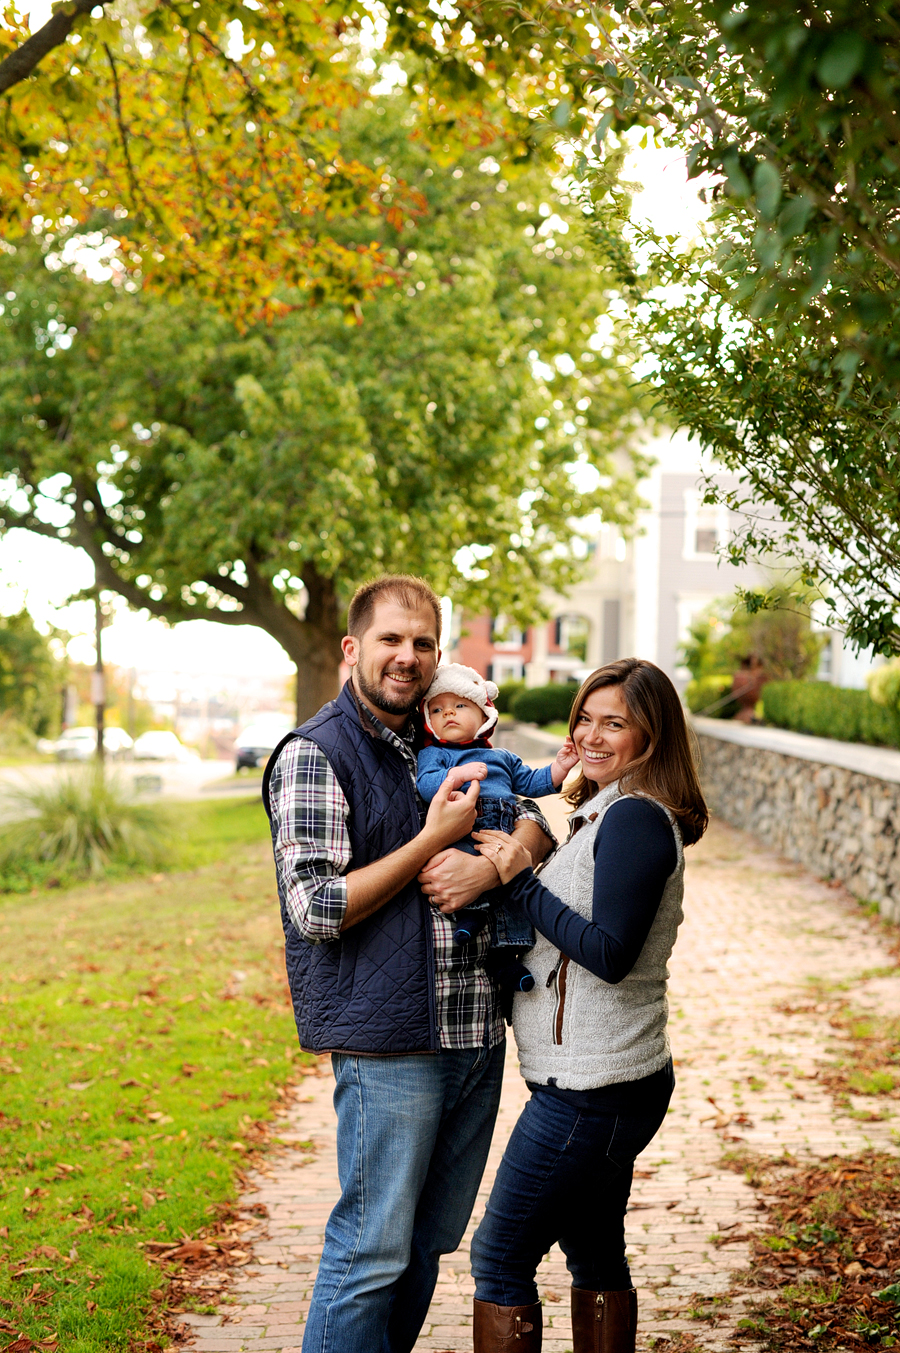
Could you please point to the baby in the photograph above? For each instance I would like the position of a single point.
(459, 716)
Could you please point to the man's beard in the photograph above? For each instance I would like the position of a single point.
(389, 704)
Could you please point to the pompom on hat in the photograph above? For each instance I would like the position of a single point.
(455, 679)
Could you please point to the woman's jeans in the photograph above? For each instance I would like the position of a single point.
(412, 1140)
(566, 1176)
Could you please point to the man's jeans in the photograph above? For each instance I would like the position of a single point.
(413, 1137)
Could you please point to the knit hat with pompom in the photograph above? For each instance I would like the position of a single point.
(455, 679)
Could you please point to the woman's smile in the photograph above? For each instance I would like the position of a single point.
(606, 736)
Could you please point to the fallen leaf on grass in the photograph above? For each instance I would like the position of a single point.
(79, 1085)
(129, 1084)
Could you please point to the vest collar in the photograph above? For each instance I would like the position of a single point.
(592, 807)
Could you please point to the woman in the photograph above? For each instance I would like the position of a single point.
(592, 1038)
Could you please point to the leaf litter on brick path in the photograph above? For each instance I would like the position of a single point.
(825, 1269)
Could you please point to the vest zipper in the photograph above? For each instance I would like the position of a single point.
(557, 980)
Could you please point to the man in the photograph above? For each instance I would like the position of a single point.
(376, 980)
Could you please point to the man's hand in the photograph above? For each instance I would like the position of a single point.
(451, 815)
(452, 879)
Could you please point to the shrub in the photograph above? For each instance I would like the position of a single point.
(16, 739)
(884, 684)
(506, 693)
(830, 712)
(707, 696)
(80, 825)
(545, 704)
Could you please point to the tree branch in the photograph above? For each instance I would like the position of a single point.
(20, 63)
(123, 134)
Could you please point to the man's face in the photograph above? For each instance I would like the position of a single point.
(395, 659)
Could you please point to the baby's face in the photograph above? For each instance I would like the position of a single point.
(454, 718)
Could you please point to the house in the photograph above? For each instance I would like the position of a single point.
(639, 595)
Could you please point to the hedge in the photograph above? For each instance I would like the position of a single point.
(545, 704)
(506, 693)
(830, 712)
(703, 696)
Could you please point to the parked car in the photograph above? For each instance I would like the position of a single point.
(80, 744)
(255, 744)
(161, 745)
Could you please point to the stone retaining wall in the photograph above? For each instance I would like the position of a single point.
(839, 822)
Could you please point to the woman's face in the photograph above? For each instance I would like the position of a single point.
(606, 737)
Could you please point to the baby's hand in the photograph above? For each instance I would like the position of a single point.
(461, 775)
(565, 759)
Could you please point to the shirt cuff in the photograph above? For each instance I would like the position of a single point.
(318, 918)
(528, 811)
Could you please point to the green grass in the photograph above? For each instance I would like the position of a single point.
(198, 833)
(145, 1029)
(561, 730)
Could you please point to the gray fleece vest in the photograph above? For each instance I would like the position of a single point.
(574, 1029)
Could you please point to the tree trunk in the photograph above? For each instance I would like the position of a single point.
(318, 665)
(314, 643)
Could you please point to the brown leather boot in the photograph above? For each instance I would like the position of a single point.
(506, 1329)
(603, 1322)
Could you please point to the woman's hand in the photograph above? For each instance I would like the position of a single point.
(508, 856)
(451, 815)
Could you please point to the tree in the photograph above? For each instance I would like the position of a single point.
(31, 676)
(467, 430)
(205, 137)
(779, 641)
(775, 339)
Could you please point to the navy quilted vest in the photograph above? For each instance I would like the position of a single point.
(371, 991)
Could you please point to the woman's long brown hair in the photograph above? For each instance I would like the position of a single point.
(666, 769)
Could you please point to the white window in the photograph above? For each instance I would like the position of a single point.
(505, 636)
(705, 526)
(507, 671)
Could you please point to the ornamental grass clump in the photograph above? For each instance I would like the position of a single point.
(80, 826)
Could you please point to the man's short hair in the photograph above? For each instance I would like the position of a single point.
(402, 588)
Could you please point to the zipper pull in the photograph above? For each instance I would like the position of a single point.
(553, 976)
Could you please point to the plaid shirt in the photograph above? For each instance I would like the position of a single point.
(313, 857)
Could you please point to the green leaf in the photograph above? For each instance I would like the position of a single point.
(562, 112)
(767, 188)
(737, 179)
(842, 60)
(604, 125)
(793, 218)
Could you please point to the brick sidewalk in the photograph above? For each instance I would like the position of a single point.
(757, 931)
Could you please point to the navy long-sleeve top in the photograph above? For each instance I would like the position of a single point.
(634, 854)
